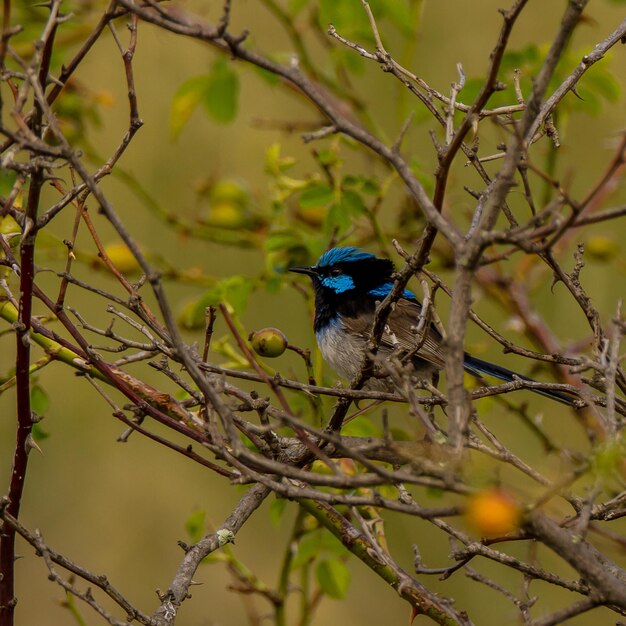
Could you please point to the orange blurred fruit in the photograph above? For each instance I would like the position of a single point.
(493, 512)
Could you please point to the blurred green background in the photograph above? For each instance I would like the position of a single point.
(120, 508)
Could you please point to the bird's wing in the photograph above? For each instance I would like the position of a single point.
(401, 332)
(403, 321)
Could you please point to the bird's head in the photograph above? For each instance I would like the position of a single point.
(348, 272)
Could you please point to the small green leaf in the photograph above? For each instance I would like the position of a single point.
(39, 401)
(277, 508)
(185, 101)
(349, 180)
(352, 202)
(398, 13)
(354, 63)
(191, 316)
(274, 163)
(234, 290)
(348, 17)
(471, 89)
(272, 159)
(603, 82)
(39, 434)
(316, 196)
(528, 57)
(436, 493)
(194, 525)
(316, 543)
(602, 248)
(222, 92)
(338, 217)
(327, 157)
(269, 77)
(333, 578)
(7, 180)
(371, 186)
(282, 239)
(308, 549)
(362, 428)
(607, 457)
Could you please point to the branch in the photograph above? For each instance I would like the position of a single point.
(605, 577)
(178, 590)
(419, 597)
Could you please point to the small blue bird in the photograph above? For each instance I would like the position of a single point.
(349, 283)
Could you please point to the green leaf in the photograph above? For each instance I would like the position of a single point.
(338, 217)
(191, 315)
(352, 202)
(7, 180)
(194, 525)
(398, 13)
(333, 578)
(286, 248)
(274, 163)
(586, 101)
(235, 290)
(273, 284)
(186, 99)
(471, 89)
(316, 543)
(350, 180)
(354, 63)
(39, 401)
(436, 493)
(282, 239)
(222, 92)
(607, 457)
(309, 547)
(39, 434)
(602, 248)
(603, 82)
(277, 508)
(316, 196)
(371, 186)
(528, 58)
(351, 20)
(328, 157)
(348, 17)
(269, 77)
(362, 428)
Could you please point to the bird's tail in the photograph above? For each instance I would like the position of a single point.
(478, 367)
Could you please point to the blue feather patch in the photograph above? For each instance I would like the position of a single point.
(341, 255)
(338, 284)
(383, 291)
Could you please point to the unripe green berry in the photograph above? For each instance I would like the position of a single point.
(269, 342)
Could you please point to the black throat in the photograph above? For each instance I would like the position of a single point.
(366, 274)
(329, 306)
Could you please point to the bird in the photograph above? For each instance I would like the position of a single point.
(349, 284)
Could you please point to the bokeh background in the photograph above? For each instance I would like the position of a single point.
(120, 508)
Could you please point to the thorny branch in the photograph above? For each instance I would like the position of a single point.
(240, 435)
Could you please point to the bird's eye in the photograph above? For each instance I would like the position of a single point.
(336, 271)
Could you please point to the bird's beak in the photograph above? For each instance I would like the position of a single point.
(309, 271)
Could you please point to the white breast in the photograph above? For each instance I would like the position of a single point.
(342, 351)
